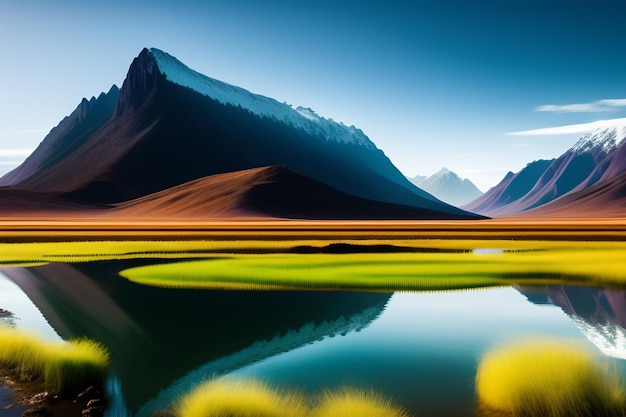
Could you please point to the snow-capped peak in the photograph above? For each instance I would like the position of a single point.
(308, 113)
(443, 171)
(604, 138)
(300, 118)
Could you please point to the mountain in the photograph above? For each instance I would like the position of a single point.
(448, 186)
(171, 125)
(606, 198)
(597, 158)
(512, 188)
(418, 179)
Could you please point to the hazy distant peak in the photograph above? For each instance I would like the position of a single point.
(447, 186)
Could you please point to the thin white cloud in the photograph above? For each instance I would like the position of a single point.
(15, 152)
(569, 129)
(611, 104)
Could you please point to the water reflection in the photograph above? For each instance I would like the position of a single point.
(7, 318)
(599, 313)
(158, 336)
(420, 348)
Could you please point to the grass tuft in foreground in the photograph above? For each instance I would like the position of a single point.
(225, 397)
(230, 397)
(551, 378)
(350, 402)
(62, 367)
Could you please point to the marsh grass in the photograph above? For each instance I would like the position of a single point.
(551, 378)
(62, 367)
(235, 397)
(351, 402)
(230, 397)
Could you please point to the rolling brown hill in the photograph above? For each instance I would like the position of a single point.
(272, 191)
(17, 203)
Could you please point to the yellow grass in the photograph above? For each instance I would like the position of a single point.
(350, 402)
(236, 397)
(62, 367)
(230, 397)
(551, 378)
(94, 250)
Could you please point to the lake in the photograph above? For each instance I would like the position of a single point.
(421, 348)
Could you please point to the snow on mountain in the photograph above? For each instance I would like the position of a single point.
(604, 138)
(448, 186)
(597, 158)
(302, 118)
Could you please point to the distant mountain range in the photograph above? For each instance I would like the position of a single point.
(587, 180)
(169, 126)
(448, 186)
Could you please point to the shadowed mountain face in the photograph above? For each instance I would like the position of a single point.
(598, 158)
(171, 125)
(448, 186)
(606, 198)
(161, 336)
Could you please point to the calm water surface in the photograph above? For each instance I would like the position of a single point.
(420, 348)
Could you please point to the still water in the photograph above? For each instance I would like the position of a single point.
(421, 348)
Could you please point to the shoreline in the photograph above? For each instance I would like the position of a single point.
(26, 399)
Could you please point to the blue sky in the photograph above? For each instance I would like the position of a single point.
(432, 83)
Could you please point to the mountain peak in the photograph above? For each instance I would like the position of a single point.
(604, 138)
(447, 186)
(140, 81)
(302, 118)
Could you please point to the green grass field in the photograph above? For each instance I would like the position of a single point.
(573, 263)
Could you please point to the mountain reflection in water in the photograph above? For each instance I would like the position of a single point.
(599, 313)
(157, 336)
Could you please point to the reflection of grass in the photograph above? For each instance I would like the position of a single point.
(229, 397)
(389, 271)
(349, 402)
(242, 398)
(63, 367)
(549, 378)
